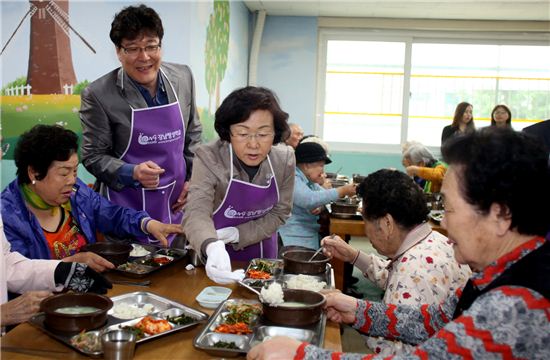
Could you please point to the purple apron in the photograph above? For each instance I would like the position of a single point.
(243, 202)
(158, 135)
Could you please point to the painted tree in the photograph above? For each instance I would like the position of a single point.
(216, 50)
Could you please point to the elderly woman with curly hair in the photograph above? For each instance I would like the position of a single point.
(49, 213)
(242, 184)
(422, 164)
(497, 226)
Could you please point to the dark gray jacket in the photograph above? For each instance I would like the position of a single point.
(106, 111)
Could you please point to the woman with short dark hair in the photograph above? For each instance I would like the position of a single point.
(242, 184)
(49, 213)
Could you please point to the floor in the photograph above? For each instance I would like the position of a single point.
(352, 341)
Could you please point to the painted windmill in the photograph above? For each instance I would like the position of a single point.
(50, 59)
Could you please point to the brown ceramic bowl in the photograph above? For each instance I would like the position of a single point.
(296, 262)
(345, 206)
(114, 252)
(296, 315)
(65, 322)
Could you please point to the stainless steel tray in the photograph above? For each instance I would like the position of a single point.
(281, 277)
(262, 329)
(163, 307)
(174, 254)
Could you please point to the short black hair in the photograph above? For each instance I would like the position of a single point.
(39, 147)
(499, 165)
(237, 107)
(393, 192)
(132, 21)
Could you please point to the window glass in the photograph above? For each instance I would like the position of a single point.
(363, 92)
(443, 75)
(364, 83)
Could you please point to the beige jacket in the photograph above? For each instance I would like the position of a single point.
(209, 182)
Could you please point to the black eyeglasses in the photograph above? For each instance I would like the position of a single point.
(135, 50)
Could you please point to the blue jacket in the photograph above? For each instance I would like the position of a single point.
(91, 211)
(302, 227)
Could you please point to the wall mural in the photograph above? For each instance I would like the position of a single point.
(50, 91)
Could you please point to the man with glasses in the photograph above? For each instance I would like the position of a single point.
(140, 122)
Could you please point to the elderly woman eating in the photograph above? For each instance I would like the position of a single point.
(50, 214)
(497, 226)
(36, 279)
(418, 263)
(420, 162)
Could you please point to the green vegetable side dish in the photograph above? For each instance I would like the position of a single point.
(139, 333)
(180, 319)
(263, 265)
(245, 313)
(226, 345)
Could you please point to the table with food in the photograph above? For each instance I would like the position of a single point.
(181, 313)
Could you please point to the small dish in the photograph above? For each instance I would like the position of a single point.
(212, 296)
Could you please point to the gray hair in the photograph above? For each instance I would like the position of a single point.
(417, 153)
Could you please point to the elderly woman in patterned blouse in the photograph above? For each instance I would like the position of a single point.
(497, 226)
(420, 264)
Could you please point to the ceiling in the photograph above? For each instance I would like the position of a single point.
(536, 10)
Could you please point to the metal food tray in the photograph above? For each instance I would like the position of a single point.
(262, 329)
(280, 276)
(163, 307)
(155, 251)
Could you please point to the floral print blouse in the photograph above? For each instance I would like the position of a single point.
(424, 270)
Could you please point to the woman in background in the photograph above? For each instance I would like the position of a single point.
(424, 165)
(302, 229)
(463, 122)
(501, 116)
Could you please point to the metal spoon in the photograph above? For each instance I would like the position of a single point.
(315, 254)
(240, 282)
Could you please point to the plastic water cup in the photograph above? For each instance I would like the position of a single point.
(118, 345)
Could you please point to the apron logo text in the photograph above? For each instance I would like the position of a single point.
(159, 138)
(249, 214)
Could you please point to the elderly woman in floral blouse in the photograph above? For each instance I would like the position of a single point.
(420, 264)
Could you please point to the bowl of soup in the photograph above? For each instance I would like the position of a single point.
(72, 312)
(300, 308)
(297, 261)
(117, 253)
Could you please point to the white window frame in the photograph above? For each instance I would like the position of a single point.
(407, 37)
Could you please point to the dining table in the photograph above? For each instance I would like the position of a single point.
(175, 283)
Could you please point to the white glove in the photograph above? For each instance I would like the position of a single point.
(218, 264)
(228, 235)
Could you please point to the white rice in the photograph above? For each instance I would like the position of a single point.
(273, 294)
(139, 251)
(127, 311)
(305, 282)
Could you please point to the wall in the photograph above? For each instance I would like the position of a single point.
(288, 65)
(185, 24)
